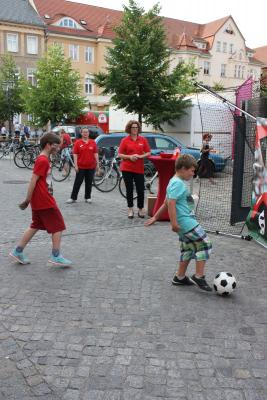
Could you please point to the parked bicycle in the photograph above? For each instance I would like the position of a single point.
(62, 164)
(6, 148)
(110, 175)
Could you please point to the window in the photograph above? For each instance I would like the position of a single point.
(12, 42)
(206, 70)
(32, 44)
(89, 55)
(88, 87)
(224, 47)
(235, 75)
(180, 60)
(68, 23)
(243, 72)
(74, 52)
(239, 71)
(231, 48)
(31, 75)
(218, 46)
(164, 144)
(223, 70)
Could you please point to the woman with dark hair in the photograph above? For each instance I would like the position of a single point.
(132, 151)
(205, 169)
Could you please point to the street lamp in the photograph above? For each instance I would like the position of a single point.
(7, 87)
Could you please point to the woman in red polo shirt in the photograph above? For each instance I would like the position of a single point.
(132, 151)
(85, 154)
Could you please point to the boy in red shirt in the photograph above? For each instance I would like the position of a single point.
(45, 212)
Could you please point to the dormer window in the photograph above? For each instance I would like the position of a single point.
(229, 30)
(83, 22)
(68, 23)
(47, 16)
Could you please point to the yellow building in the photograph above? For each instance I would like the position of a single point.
(218, 48)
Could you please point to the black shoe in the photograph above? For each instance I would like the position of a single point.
(185, 281)
(140, 215)
(201, 283)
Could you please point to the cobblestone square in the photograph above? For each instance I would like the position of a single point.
(113, 327)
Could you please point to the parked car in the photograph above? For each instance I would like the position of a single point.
(71, 130)
(161, 143)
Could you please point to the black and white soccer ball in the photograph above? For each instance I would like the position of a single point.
(224, 283)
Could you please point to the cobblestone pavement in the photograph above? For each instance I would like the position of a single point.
(112, 327)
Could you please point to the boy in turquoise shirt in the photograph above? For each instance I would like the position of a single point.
(193, 239)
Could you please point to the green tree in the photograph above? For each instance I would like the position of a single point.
(10, 89)
(138, 65)
(56, 95)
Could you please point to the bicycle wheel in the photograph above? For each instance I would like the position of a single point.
(108, 182)
(18, 158)
(29, 158)
(4, 150)
(122, 189)
(61, 171)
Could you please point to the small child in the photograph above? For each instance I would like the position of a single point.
(45, 212)
(194, 241)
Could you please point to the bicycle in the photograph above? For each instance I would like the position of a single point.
(150, 182)
(109, 172)
(110, 175)
(7, 147)
(62, 164)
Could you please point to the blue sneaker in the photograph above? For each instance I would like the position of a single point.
(59, 260)
(19, 257)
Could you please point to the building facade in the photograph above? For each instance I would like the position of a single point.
(85, 32)
(261, 54)
(22, 34)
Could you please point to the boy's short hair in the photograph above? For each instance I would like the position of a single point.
(185, 161)
(49, 138)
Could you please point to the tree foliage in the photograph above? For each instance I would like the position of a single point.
(56, 95)
(10, 89)
(138, 76)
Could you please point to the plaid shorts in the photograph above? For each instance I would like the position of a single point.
(195, 244)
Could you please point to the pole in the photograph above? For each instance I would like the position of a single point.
(214, 94)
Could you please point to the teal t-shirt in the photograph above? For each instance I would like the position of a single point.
(177, 190)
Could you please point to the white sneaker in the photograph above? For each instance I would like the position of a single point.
(70, 201)
(88, 201)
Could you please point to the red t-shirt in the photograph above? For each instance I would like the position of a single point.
(129, 147)
(41, 198)
(86, 153)
(66, 141)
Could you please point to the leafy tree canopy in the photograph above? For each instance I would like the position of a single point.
(10, 89)
(56, 95)
(138, 76)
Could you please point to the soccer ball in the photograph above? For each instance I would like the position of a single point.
(224, 283)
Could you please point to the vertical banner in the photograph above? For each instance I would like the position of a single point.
(257, 218)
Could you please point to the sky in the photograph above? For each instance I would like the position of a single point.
(250, 17)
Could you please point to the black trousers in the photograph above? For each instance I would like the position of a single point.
(87, 175)
(129, 179)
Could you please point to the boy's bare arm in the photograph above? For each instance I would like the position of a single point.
(172, 215)
(30, 190)
(161, 210)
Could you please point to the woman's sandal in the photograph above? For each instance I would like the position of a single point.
(141, 215)
(130, 214)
